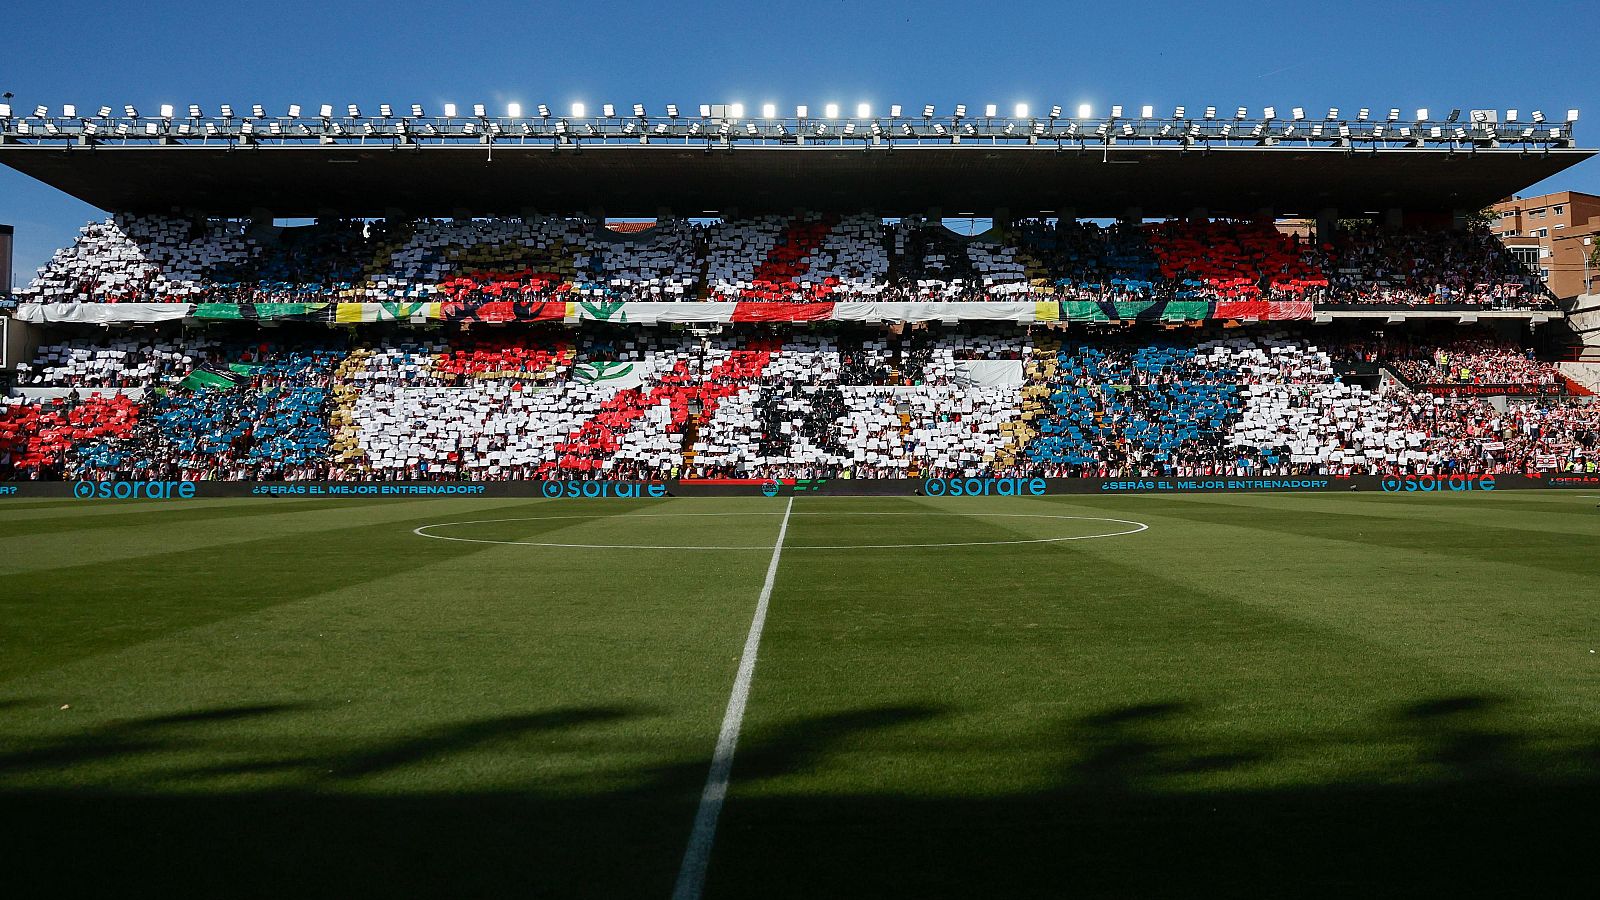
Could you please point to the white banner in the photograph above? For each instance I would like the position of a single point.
(615, 376)
(989, 372)
(102, 313)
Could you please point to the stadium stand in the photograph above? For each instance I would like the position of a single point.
(609, 401)
(804, 258)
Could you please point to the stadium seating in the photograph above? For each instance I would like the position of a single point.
(610, 402)
(770, 258)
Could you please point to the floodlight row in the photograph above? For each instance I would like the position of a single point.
(736, 112)
(727, 125)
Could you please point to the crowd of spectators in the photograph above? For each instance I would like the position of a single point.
(854, 402)
(1478, 361)
(1367, 264)
(801, 258)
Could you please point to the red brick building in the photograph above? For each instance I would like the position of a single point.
(1557, 235)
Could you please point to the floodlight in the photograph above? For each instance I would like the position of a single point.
(129, 111)
(672, 110)
(478, 111)
(705, 110)
(385, 111)
(327, 111)
(927, 110)
(1394, 114)
(1147, 112)
(105, 112)
(609, 110)
(737, 110)
(1270, 113)
(990, 111)
(1055, 112)
(577, 110)
(449, 110)
(1538, 117)
(863, 111)
(1333, 113)
(166, 110)
(1454, 115)
(638, 110)
(513, 110)
(1211, 112)
(961, 110)
(69, 111)
(1362, 114)
(769, 110)
(355, 111)
(1085, 111)
(1022, 111)
(194, 111)
(1298, 114)
(801, 111)
(227, 111)
(1422, 114)
(831, 111)
(1179, 112)
(1572, 116)
(544, 111)
(294, 110)
(1116, 112)
(1240, 113)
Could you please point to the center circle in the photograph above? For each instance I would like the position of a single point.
(1132, 528)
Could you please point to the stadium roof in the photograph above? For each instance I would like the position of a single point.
(689, 179)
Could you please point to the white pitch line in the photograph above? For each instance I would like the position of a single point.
(692, 874)
(426, 531)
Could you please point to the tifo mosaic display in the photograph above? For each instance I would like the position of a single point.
(551, 402)
(1179, 270)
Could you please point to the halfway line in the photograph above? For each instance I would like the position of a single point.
(692, 873)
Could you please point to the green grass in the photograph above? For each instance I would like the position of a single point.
(1262, 695)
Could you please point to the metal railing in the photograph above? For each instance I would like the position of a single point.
(43, 127)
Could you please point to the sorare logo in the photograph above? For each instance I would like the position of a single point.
(1434, 484)
(983, 487)
(596, 490)
(133, 490)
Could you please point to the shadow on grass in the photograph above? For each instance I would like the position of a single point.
(1466, 810)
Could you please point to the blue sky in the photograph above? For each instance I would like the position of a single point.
(1530, 55)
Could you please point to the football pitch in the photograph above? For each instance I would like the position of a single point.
(1206, 695)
